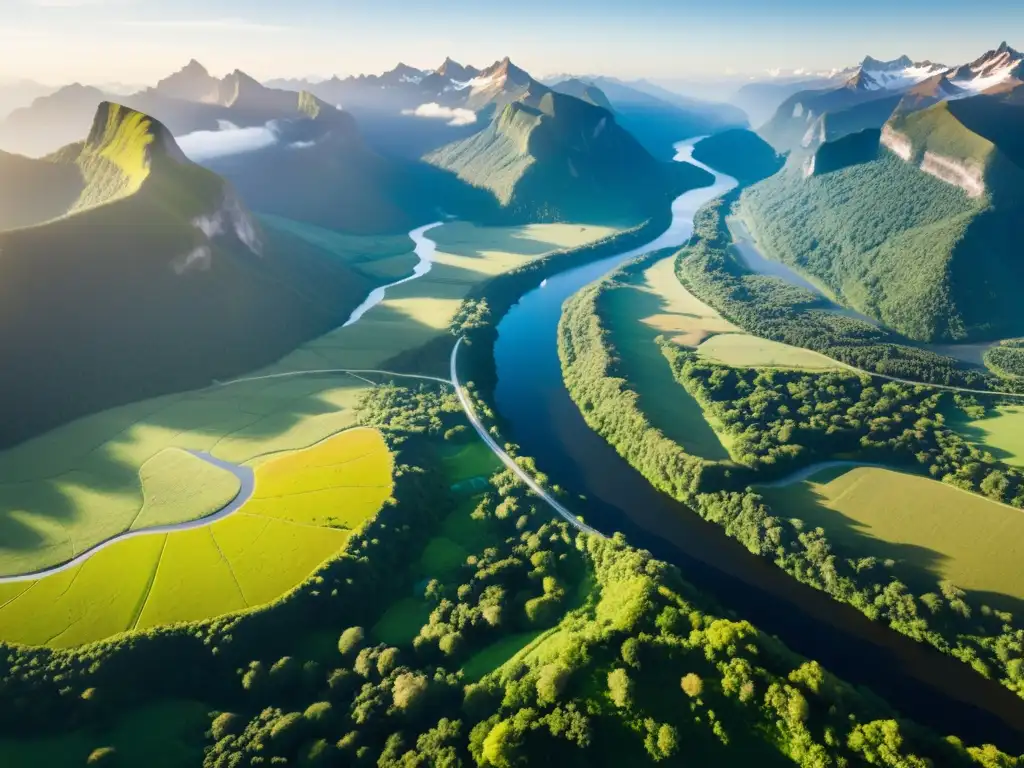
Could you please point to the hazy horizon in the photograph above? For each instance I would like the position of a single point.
(140, 41)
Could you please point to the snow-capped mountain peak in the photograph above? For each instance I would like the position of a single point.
(452, 70)
(990, 70)
(895, 75)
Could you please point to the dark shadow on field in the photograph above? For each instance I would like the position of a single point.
(975, 435)
(43, 479)
(920, 568)
(667, 404)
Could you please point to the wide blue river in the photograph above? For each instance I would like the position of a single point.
(933, 689)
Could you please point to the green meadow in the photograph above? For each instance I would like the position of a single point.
(1000, 432)
(918, 522)
(635, 312)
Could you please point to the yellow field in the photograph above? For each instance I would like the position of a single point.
(305, 506)
(80, 484)
(943, 532)
(176, 482)
(69, 489)
(742, 350)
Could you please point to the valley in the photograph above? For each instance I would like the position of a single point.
(456, 416)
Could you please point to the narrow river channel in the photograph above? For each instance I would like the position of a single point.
(923, 684)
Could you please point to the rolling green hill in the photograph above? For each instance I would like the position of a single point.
(923, 234)
(739, 153)
(154, 278)
(554, 157)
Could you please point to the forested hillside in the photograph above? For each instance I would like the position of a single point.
(739, 153)
(882, 236)
(556, 158)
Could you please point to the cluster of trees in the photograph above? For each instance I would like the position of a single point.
(779, 420)
(773, 309)
(740, 153)
(1007, 359)
(782, 419)
(636, 667)
(643, 671)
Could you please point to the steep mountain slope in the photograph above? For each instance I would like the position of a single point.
(192, 83)
(760, 99)
(154, 279)
(918, 225)
(554, 157)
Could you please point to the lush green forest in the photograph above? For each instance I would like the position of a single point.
(530, 643)
(895, 243)
(771, 308)
(784, 420)
(739, 153)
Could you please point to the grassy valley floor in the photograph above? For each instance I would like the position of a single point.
(65, 491)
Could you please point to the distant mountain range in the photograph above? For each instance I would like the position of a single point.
(463, 98)
(153, 275)
(15, 94)
(872, 92)
(905, 194)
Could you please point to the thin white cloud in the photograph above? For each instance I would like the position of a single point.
(231, 25)
(207, 145)
(455, 116)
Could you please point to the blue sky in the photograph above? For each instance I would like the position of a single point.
(141, 40)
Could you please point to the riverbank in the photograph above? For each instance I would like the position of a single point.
(531, 402)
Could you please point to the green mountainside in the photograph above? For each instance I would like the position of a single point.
(739, 153)
(555, 157)
(853, 149)
(922, 234)
(153, 279)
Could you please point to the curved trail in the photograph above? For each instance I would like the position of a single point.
(247, 485)
(426, 248)
(507, 460)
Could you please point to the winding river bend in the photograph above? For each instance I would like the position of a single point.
(933, 689)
